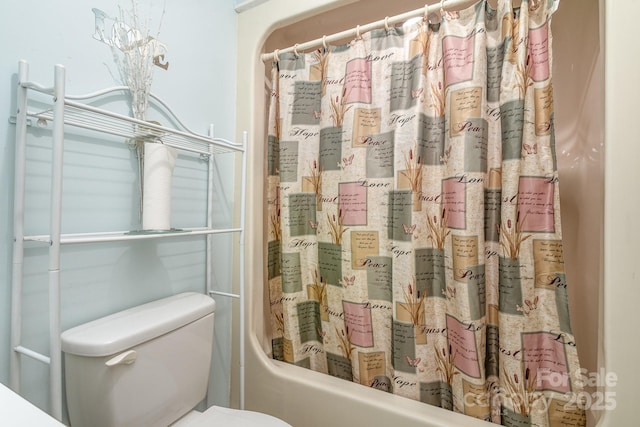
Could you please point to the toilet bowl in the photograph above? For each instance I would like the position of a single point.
(219, 416)
(147, 366)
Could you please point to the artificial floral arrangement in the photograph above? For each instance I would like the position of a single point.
(135, 53)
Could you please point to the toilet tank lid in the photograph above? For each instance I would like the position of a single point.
(125, 329)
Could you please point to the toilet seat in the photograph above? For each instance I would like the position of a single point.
(225, 417)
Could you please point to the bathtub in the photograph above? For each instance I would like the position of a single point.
(599, 258)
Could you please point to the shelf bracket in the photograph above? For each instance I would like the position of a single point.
(13, 120)
(41, 123)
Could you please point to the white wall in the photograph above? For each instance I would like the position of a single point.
(199, 85)
(622, 228)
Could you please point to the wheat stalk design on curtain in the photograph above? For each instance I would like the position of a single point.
(414, 236)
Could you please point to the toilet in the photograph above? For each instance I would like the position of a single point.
(148, 366)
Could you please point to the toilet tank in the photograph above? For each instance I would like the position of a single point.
(145, 366)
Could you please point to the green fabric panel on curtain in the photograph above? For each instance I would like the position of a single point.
(414, 237)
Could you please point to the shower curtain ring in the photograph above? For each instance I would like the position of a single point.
(358, 32)
(295, 50)
(324, 42)
(276, 55)
(426, 13)
(386, 23)
(442, 8)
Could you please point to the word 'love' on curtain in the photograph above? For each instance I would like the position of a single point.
(414, 219)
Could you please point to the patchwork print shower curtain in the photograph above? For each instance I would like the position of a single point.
(414, 218)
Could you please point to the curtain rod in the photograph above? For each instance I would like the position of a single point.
(386, 22)
(354, 32)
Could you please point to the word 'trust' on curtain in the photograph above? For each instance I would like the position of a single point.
(414, 238)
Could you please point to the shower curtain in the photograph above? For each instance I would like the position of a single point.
(414, 238)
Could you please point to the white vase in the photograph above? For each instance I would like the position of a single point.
(159, 161)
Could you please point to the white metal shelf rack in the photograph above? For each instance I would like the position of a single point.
(78, 111)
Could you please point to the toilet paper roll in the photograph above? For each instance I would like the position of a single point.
(159, 161)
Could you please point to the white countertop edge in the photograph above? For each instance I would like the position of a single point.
(18, 412)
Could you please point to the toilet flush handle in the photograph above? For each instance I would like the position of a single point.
(126, 358)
